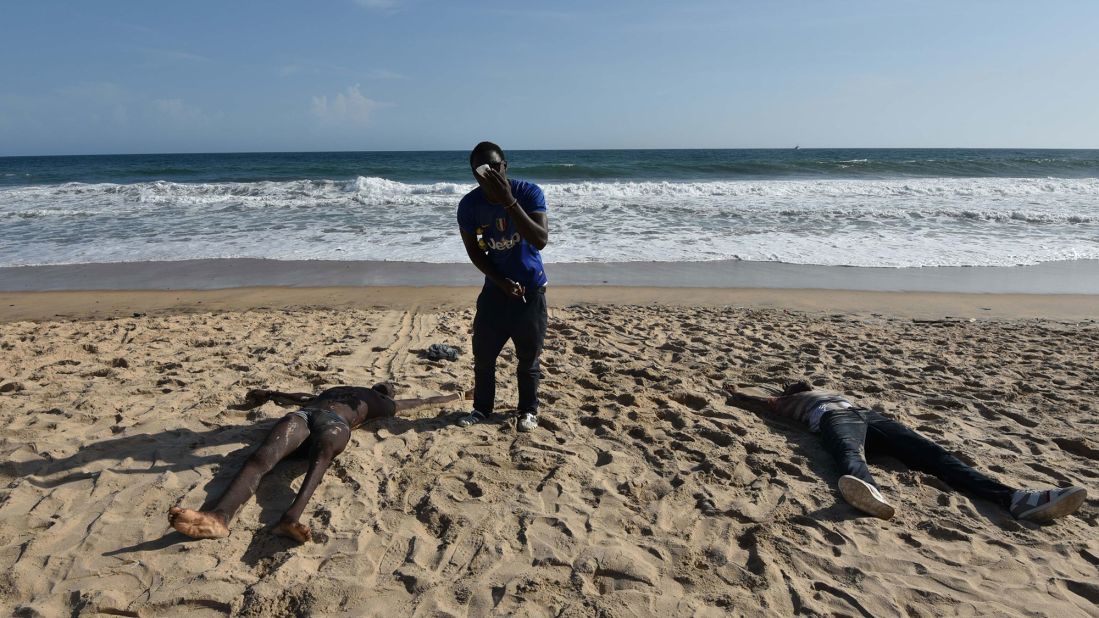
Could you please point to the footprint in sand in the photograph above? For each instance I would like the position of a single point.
(473, 489)
(691, 400)
(1077, 446)
(1088, 590)
(673, 417)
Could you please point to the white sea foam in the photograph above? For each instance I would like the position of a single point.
(916, 222)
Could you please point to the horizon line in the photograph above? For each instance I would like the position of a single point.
(778, 148)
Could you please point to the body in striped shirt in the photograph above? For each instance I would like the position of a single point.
(851, 431)
(809, 406)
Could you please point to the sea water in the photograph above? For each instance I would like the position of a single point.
(880, 207)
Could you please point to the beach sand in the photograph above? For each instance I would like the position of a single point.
(645, 493)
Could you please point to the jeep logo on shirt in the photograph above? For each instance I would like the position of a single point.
(504, 244)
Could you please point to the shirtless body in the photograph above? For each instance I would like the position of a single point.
(326, 421)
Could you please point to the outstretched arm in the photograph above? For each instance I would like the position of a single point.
(748, 401)
(409, 404)
(258, 396)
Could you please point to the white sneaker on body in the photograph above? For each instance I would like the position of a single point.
(865, 497)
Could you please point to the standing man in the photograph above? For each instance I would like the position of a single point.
(504, 227)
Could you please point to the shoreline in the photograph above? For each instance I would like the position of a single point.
(107, 304)
(1077, 277)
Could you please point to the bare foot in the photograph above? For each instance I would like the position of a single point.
(294, 530)
(198, 524)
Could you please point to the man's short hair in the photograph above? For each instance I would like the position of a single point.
(483, 150)
(385, 388)
(800, 386)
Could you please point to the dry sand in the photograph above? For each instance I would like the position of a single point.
(645, 492)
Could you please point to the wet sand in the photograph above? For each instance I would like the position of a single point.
(926, 305)
(1069, 277)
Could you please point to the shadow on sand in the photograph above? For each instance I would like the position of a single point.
(176, 450)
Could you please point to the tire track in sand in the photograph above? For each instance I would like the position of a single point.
(367, 361)
(397, 339)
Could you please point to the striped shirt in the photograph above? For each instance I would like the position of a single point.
(810, 406)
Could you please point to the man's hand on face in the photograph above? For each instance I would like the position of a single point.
(496, 187)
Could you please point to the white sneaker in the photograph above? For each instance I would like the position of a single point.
(1044, 505)
(527, 422)
(865, 497)
(472, 418)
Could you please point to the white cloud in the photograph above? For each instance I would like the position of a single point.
(101, 103)
(346, 107)
(180, 112)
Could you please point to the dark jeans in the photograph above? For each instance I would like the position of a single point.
(846, 432)
(499, 318)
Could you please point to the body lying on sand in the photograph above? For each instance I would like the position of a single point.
(849, 432)
(325, 421)
(323, 425)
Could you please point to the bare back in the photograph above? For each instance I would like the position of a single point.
(355, 404)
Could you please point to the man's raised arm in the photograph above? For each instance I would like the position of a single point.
(533, 227)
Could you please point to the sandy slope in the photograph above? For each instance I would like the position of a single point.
(644, 494)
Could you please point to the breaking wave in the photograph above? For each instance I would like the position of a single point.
(870, 222)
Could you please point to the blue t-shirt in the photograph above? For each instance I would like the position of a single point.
(513, 256)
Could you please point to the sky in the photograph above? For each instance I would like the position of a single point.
(250, 76)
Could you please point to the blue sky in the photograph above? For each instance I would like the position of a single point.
(120, 77)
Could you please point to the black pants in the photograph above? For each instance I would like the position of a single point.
(499, 318)
(846, 432)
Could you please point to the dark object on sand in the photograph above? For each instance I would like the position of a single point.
(438, 351)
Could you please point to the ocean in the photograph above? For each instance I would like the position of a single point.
(875, 207)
